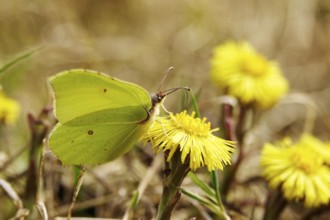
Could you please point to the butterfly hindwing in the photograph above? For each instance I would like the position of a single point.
(81, 142)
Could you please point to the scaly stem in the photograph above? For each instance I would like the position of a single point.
(230, 134)
(171, 192)
(235, 132)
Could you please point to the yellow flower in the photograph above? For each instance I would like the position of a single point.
(327, 146)
(247, 75)
(299, 170)
(312, 142)
(193, 137)
(9, 109)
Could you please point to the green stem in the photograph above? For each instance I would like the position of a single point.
(215, 184)
(171, 189)
(221, 215)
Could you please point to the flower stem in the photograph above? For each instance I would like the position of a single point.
(234, 131)
(171, 192)
(274, 206)
(230, 134)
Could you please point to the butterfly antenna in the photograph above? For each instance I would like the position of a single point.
(169, 91)
(185, 88)
(164, 77)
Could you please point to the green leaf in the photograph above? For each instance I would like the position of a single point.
(134, 200)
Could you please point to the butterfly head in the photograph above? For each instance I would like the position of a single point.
(157, 98)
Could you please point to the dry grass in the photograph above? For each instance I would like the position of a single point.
(137, 41)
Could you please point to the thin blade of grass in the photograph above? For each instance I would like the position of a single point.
(195, 105)
(134, 200)
(201, 184)
(214, 208)
(18, 59)
(196, 197)
(215, 184)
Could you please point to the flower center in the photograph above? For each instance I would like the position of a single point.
(305, 160)
(255, 65)
(191, 125)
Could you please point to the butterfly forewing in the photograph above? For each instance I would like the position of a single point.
(79, 92)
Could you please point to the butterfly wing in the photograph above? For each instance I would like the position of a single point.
(100, 118)
(98, 137)
(79, 92)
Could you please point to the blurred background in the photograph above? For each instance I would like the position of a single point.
(138, 41)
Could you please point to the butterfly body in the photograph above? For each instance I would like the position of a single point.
(100, 117)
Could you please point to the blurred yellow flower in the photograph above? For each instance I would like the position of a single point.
(327, 145)
(9, 109)
(247, 75)
(298, 169)
(312, 142)
(193, 137)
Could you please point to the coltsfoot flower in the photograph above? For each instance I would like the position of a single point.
(247, 75)
(312, 142)
(193, 137)
(9, 109)
(298, 169)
